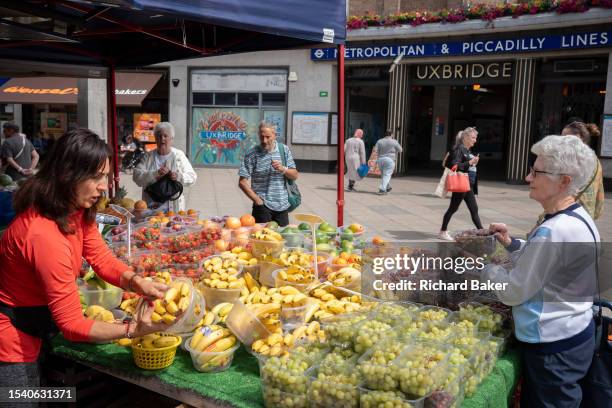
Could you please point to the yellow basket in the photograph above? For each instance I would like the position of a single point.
(157, 358)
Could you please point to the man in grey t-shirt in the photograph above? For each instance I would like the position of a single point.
(18, 153)
(387, 149)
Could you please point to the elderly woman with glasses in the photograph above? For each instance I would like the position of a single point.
(165, 160)
(552, 280)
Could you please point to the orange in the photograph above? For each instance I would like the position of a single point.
(170, 213)
(344, 255)
(247, 220)
(378, 241)
(182, 212)
(140, 205)
(191, 211)
(232, 223)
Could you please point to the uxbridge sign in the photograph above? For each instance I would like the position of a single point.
(492, 70)
(596, 39)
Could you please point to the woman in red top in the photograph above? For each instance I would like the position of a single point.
(41, 254)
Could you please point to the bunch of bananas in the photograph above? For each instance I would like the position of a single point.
(153, 341)
(278, 345)
(240, 255)
(330, 304)
(100, 314)
(267, 234)
(296, 274)
(221, 311)
(176, 302)
(344, 276)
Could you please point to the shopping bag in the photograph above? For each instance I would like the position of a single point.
(441, 188)
(363, 170)
(457, 182)
(597, 385)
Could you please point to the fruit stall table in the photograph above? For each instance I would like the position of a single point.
(240, 386)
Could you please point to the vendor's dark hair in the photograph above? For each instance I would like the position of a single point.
(75, 157)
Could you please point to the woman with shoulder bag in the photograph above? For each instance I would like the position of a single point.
(163, 172)
(465, 161)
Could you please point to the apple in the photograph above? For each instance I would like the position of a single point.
(356, 228)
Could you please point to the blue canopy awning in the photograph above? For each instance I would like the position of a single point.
(131, 33)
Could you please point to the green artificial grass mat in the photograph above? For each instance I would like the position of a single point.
(240, 385)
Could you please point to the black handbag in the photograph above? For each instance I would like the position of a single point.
(165, 189)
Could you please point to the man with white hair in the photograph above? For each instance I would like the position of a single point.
(553, 279)
(161, 162)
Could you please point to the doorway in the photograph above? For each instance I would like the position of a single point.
(487, 108)
(367, 90)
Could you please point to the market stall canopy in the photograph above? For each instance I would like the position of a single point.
(130, 33)
(131, 88)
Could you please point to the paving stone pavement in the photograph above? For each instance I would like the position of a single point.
(409, 213)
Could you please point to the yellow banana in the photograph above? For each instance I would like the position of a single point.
(274, 339)
(226, 309)
(185, 290)
(257, 344)
(183, 304)
(251, 283)
(197, 337)
(221, 345)
(124, 342)
(276, 350)
(218, 307)
(288, 340)
(148, 344)
(299, 332)
(159, 309)
(209, 318)
(288, 290)
(206, 341)
(172, 308)
(171, 295)
(267, 309)
(165, 341)
(168, 318)
(313, 327)
(156, 317)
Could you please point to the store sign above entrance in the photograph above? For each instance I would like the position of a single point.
(493, 70)
(130, 87)
(470, 47)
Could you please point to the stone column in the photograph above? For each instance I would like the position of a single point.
(177, 108)
(522, 119)
(397, 110)
(606, 164)
(92, 106)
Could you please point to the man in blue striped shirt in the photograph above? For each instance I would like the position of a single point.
(262, 177)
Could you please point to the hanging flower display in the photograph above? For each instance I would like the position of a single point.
(475, 12)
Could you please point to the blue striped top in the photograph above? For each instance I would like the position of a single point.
(267, 183)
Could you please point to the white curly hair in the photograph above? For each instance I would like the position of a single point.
(166, 127)
(567, 155)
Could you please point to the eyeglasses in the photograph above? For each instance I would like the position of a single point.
(533, 172)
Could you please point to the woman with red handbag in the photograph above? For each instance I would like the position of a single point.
(462, 160)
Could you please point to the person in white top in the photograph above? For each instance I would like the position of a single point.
(354, 156)
(161, 161)
(552, 281)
